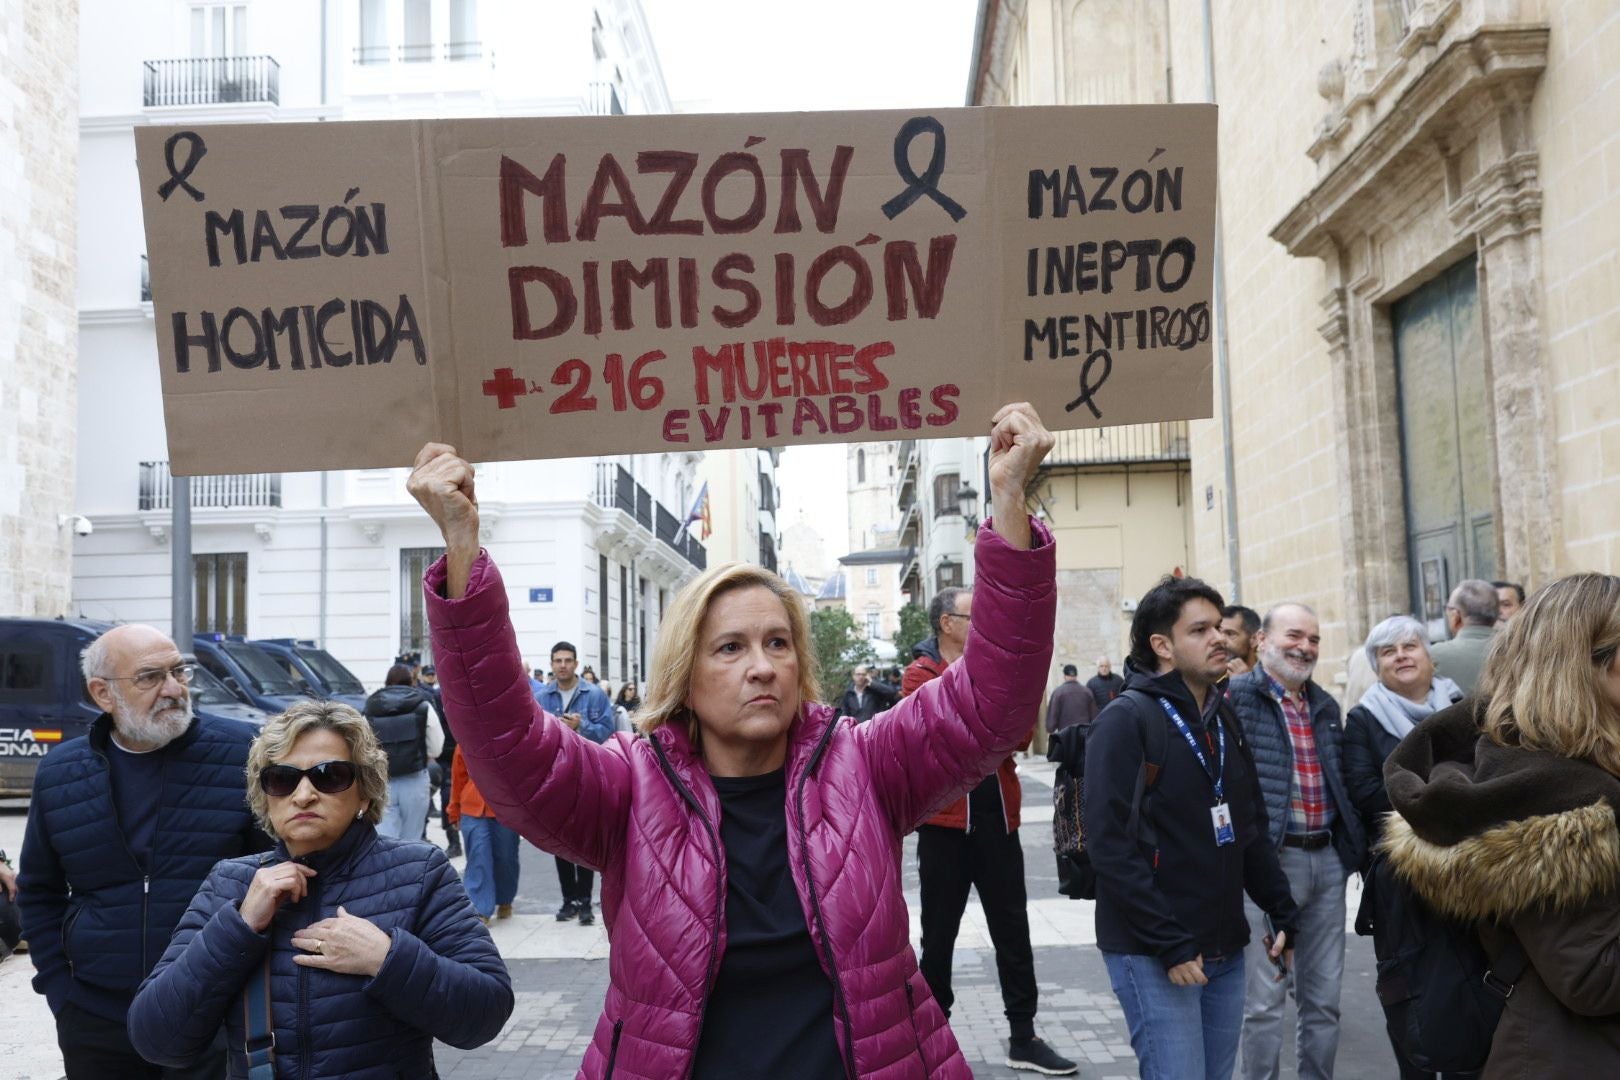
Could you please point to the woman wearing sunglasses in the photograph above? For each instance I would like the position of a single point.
(343, 953)
(750, 844)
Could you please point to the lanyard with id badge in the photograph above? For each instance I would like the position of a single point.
(1220, 815)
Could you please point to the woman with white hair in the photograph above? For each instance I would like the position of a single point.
(1407, 691)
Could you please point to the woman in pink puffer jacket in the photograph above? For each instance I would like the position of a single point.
(750, 845)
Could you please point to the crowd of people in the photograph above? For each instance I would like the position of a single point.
(201, 899)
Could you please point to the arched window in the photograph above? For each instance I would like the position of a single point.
(860, 466)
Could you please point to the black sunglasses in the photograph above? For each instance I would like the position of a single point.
(328, 778)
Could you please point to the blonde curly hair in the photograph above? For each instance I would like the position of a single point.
(281, 731)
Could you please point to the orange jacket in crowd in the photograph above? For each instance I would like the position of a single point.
(465, 798)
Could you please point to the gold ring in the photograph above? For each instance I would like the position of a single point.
(320, 946)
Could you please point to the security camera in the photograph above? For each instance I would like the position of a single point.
(81, 524)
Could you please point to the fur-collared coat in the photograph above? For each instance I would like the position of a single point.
(1521, 841)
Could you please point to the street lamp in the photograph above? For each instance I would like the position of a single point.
(968, 500)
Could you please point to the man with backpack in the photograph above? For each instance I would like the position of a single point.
(1175, 832)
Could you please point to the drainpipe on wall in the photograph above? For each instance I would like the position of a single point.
(1222, 359)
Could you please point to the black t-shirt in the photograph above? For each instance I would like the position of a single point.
(770, 1014)
(137, 790)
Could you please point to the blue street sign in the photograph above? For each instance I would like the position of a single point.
(540, 596)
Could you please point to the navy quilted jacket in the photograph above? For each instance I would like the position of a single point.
(96, 920)
(1267, 732)
(443, 977)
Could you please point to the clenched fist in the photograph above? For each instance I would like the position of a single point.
(443, 483)
(1019, 442)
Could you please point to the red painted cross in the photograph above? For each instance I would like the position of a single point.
(505, 387)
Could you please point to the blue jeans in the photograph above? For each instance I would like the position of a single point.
(492, 863)
(407, 811)
(1180, 1032)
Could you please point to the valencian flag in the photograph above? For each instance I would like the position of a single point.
(698, 514)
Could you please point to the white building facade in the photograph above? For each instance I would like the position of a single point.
(590, 548)
(938, 535)
(744, 500)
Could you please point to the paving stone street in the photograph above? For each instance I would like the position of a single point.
(560, 973)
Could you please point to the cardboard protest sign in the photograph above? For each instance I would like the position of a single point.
(333, 295)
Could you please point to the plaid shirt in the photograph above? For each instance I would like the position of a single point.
(1308, 809)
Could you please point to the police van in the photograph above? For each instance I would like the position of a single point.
(43, 700)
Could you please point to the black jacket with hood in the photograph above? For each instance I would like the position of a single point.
(1522, 842)
(1182, 897)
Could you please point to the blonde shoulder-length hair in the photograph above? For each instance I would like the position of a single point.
(1542, 679)
(679, 641)
(281, 731)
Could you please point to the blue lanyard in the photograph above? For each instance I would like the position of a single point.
(1215, 778)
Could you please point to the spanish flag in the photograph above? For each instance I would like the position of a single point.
(699, 514)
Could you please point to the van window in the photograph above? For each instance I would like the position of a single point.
(25, 673)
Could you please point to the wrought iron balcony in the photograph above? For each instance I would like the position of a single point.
(616, 489)
(1122, 445)
(212, 80)
(241, 489)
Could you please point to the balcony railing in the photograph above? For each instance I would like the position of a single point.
(767, 551)
(603, 100)
(1125, 444)
(420, 52)
(767, 495)
(242, 489)
(212, 80)
(146, 281)
(616, 489)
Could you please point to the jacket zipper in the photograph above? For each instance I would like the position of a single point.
(146, 876)
(613, 1051)
(306, 1053)
(916, 1032)
(67, 932)
(815, 906)
(719, 886)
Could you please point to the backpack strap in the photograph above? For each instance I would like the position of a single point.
(260, 1044)
(1155, 741)
(1507, 969)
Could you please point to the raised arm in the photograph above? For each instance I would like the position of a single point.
(561, 791)
(953, 731)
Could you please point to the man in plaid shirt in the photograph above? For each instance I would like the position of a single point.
(1294, 729)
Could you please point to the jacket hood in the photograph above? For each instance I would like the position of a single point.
(392, 700)
(929, 648)
(1483, 831)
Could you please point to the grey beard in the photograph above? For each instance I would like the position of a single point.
(1279, 662)
(160, 725)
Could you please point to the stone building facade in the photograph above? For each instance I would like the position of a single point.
(39, 59)
(1420, 233)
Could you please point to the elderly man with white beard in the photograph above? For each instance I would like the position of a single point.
(1296, 734)
(124, 825)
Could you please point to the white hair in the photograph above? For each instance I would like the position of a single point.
(1395, 630)
(93, 660)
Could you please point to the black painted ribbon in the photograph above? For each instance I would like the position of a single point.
(928, 182)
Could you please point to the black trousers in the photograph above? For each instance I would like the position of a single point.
(94, 1048)
(575, 880)
(949, 861)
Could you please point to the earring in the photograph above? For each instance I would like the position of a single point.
(359, 814)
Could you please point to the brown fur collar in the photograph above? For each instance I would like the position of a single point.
(1541, 863)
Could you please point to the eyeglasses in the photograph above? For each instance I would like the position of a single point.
(328, 778)
(152, 678)
(965, 616)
